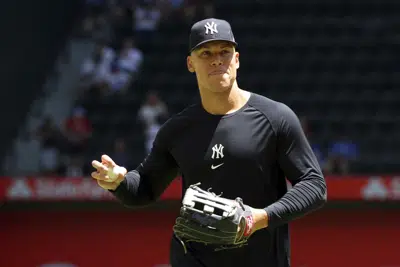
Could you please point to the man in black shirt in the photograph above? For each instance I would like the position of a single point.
(235, 142)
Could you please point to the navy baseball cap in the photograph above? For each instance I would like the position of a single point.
(208, 30)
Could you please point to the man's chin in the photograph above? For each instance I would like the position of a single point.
(222, 87)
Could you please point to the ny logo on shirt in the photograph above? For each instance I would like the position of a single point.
(217, 151)
(212, 27)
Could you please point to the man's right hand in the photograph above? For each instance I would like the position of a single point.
(108, 174)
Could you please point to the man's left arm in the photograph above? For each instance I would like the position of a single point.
(300, 166)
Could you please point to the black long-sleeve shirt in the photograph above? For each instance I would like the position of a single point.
(246, 154)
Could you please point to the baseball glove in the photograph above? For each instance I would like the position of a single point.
(211, 219)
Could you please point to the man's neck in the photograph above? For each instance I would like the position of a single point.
(224, 103)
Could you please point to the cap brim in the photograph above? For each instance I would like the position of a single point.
(212, 40)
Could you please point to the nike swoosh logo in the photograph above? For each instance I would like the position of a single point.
(216, 166)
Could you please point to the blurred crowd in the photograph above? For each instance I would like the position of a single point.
(123, 32)
(336, 156)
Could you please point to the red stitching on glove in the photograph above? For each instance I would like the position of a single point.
(249, 225)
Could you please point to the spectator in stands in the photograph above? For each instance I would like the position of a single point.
(77, 131)
(151, 109)
(123, 69)
(146, 19)
(96, 67)
(130, 57)
(49, 136)
(152, 130)
(341, 154)
(116, 80)
(98, 63)
(120, 153)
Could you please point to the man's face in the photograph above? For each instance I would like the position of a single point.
(215, 64)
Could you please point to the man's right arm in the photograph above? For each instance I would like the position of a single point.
(148, 181)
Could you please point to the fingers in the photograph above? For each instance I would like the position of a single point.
(101, 173)
(100, 176)
(99, 166)
(106, 160)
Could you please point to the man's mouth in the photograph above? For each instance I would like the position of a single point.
(217, 72)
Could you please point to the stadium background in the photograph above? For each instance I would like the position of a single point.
(335, 63)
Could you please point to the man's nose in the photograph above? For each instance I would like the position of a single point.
(217, 61)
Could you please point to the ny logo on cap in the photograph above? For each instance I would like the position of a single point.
(212, 27)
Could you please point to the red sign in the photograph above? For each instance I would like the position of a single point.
(63, 189)
(369, 188)
(328, 238)
(376, 188)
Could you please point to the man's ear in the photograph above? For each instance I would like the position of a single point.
(190, 64)
(237, 60)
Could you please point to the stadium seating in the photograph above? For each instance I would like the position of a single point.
(32, 38)
(332, 61)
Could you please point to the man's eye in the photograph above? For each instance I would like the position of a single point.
(205, 53)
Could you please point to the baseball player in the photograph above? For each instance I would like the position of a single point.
(235, 143)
